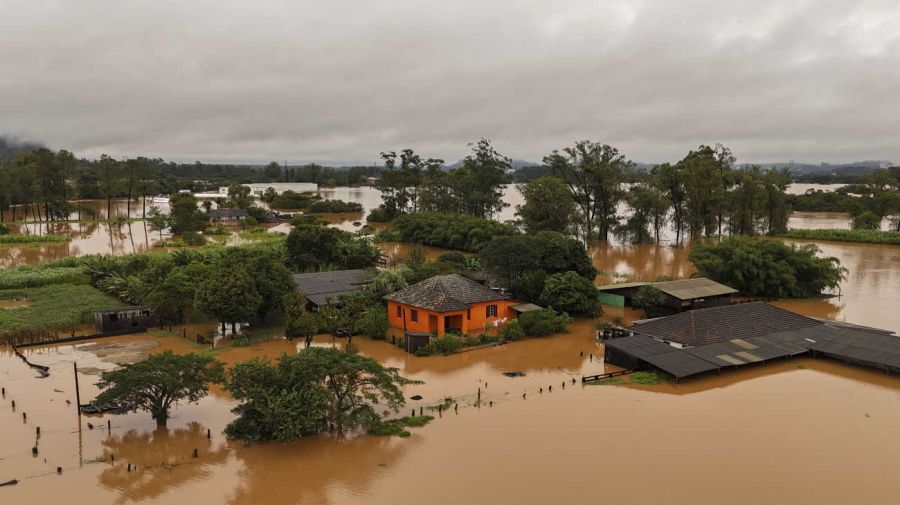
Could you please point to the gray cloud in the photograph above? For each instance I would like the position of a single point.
(343, 80)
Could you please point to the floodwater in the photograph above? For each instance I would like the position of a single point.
(798, 431)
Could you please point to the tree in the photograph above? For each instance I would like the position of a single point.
(272, 172)
(230, 296)
(372, 322)
(184, 216)
(548, 205)
(547, 251)
(478, 183)
(299, 322)
(571, 293)
(174, 296)
(670, 180)
(157, 221)
(390, 280)
(868, 220)
(159, 382)
(705, 173)
(594, 173)
(315, 390)
(240, 196)
(767, 267)
(311, 247)
(271, 279)
(649, 207)
(648, 296)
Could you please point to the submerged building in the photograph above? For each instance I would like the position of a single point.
(680, 295)
(712, 339)
(449, 303)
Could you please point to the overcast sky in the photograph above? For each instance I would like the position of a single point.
(343, 80)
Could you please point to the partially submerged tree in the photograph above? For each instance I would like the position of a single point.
(648, 296)
(318, 389)
(160, 382)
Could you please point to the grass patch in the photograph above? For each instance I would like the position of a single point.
(397, 427)
(259, 234)
(33, 239)
(861, 236)
(52, 308)
(37, 276)
(643, 378)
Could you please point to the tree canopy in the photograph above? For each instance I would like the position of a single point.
(768, 267)
(159, 382)
(315, 390)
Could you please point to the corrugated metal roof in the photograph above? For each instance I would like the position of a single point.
(691, 289)
(318, 287)
(663, 356)
(611, 287)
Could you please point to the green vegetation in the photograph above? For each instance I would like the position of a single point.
(397, 427)
(450, 343)
(41, 275)
(540, 323)
(861, 236)
(648, 296)
(292, 200)
(315, 247)
(643, 378)
(313, 391)
(767, 267)
(33, 239)
(816, 200)
(453, 231)
(159, 382)
(335, 206)
(410, 183)
(867, 220)
(549, 205)
(56, 307)
(571, 293)
(184, 216)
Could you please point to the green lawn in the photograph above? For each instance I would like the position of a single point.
(56, 307)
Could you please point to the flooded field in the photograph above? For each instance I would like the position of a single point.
(814, 431)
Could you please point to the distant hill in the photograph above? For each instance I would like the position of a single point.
(514, 164)
(10, 146)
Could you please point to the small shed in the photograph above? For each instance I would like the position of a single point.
(681, 294)
(120, 320)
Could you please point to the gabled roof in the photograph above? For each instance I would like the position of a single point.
(443, 293)
(720, 324)
(319, 287)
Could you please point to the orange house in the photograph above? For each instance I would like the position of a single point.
(448, 303)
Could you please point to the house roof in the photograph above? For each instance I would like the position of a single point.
(227, 212)
(682, 289)
(748, 333)
(526, 307)
(443, 293)
(319, 287)
(720, 324)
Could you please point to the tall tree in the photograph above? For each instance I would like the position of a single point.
(594, 173)
(478, 183)
(230, 296)
(548, 205)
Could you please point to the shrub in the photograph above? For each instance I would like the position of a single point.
(372, 323)
(540, 323)
(648, 296)
(335, 206)
(291, 200)
(448, 344)
(388, 236)
(378, 215)
(512, 331)
(571, 293)
(867, 221)
(32, 239)
(193, 239)
(33, 277)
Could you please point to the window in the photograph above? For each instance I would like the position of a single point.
(468, 313)
(414, 316)
(491, 311)
(399, 311)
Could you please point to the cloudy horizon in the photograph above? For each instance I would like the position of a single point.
(228, 81)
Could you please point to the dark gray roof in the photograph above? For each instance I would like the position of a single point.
(227, 212)
(443, 293)
(741, 334)
(720, 324)
(319, 287)
(665, 357)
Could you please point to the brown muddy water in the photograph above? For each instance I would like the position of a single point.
(798, 431)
